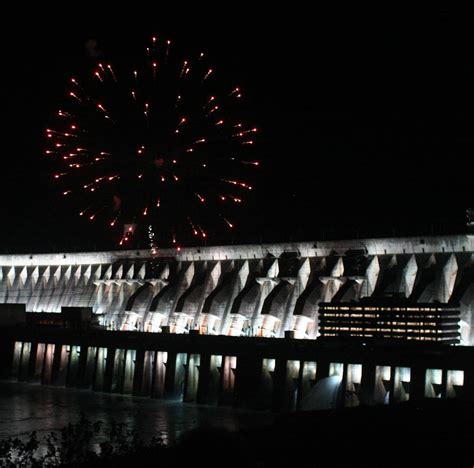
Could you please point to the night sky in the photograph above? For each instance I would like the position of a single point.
(367, 122)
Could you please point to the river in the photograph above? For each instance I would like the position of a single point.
(32, 407)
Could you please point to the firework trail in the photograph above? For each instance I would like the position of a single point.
(158, 143)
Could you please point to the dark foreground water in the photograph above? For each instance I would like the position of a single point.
(29, 407)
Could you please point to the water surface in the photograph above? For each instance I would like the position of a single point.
(32, 407)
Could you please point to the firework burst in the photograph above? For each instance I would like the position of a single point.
(159, 143)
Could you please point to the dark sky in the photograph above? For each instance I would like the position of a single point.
(367, 120)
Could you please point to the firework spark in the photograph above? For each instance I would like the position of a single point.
(152, 141)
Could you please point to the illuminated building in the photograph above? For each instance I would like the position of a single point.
(390, 319)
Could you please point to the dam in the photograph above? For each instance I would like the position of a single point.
(240, 325)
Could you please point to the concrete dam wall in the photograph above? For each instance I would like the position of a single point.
(252, 290)
(246, 372)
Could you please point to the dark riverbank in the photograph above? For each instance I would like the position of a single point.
(431, 433)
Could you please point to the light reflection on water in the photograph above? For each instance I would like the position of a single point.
(30, 407)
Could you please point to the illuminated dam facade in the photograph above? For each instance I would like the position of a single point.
(237, 325)
(251, 290)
